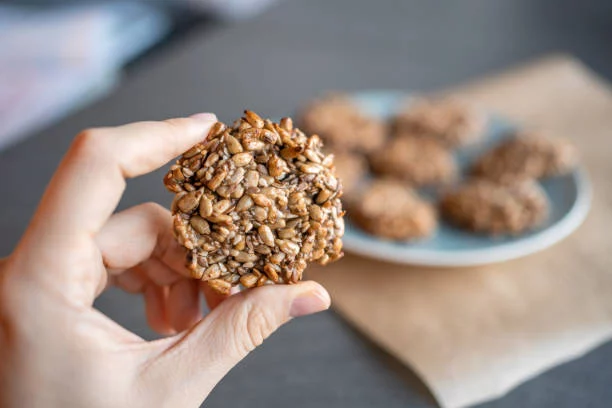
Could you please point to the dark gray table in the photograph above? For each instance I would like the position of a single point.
(273, 63)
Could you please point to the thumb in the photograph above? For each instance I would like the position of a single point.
(242, 322)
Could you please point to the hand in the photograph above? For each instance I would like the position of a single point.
(56, 350)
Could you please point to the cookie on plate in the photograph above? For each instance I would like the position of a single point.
(484, 206)
(418, 161)
(450, 121)
(342, 126)
(389, 209)
(255, 203)
(351, 168)
(527, 155)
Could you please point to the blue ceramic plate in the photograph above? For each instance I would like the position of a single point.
(570, 198)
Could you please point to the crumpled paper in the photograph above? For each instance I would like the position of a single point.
(473, 334)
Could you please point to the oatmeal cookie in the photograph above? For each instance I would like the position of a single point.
(448, 120)
(389, 209)
(255, 203)
(342, 125)
(527, 155)
(487, 207)
(418, 161)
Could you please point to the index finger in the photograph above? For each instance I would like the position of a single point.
(90, 180)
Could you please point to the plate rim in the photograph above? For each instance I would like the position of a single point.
(531, 244)
(484, 256)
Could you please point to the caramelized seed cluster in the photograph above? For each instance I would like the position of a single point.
(255, 203)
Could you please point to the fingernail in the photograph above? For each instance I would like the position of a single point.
(310, 302)
(208, 117)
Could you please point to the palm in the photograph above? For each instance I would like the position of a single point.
(57, 350)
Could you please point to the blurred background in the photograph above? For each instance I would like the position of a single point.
(57, 56)
(66, 65)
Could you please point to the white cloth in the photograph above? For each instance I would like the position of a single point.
(53, 61)
(230, 9)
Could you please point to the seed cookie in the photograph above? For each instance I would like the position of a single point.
(487, 207)
(351, 168)
(528, 155)
(418, 161)
(388, 209)
(342, 125)
(449, 121)
(255, 203)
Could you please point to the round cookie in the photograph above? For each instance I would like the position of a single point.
(350, 169)
(487, 207)
(418, 161)
(528, 155)
(388, 209)
(342, 125)
(255, 203)
(449, 121)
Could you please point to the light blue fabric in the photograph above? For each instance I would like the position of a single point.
(53, 61)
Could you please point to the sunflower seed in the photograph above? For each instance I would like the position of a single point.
(266, 235)
(237, 176)
(277, 167)
(253, 119)
(224, 191)
(240, 245)
(277, 258)
(233, 145)
(249, 280)
(261, 200)
(220, 218)
(238, 192)
(253, 144)
(317, 254)
(189, 202)
(206, 207)
(194, 164)
(312, 156)
(315, 212)
(328, 161)
(233, 278)
(310, 168)
(288, 247)
(193, 151)
(287, 233)
(323, 196)
(217, 179)
(252, 178)
(211, 159)
(245, 257)
(199, 224)
(262, 280)
(242, 159)
(212, 272)
(220, 286)
(244, 204)
(263, 249)
(287, 124)
(260, 214)
(216, 130)
(222, 206)
(177, 174)
(270, 272)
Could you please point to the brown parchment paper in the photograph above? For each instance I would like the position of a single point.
(473, 334)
